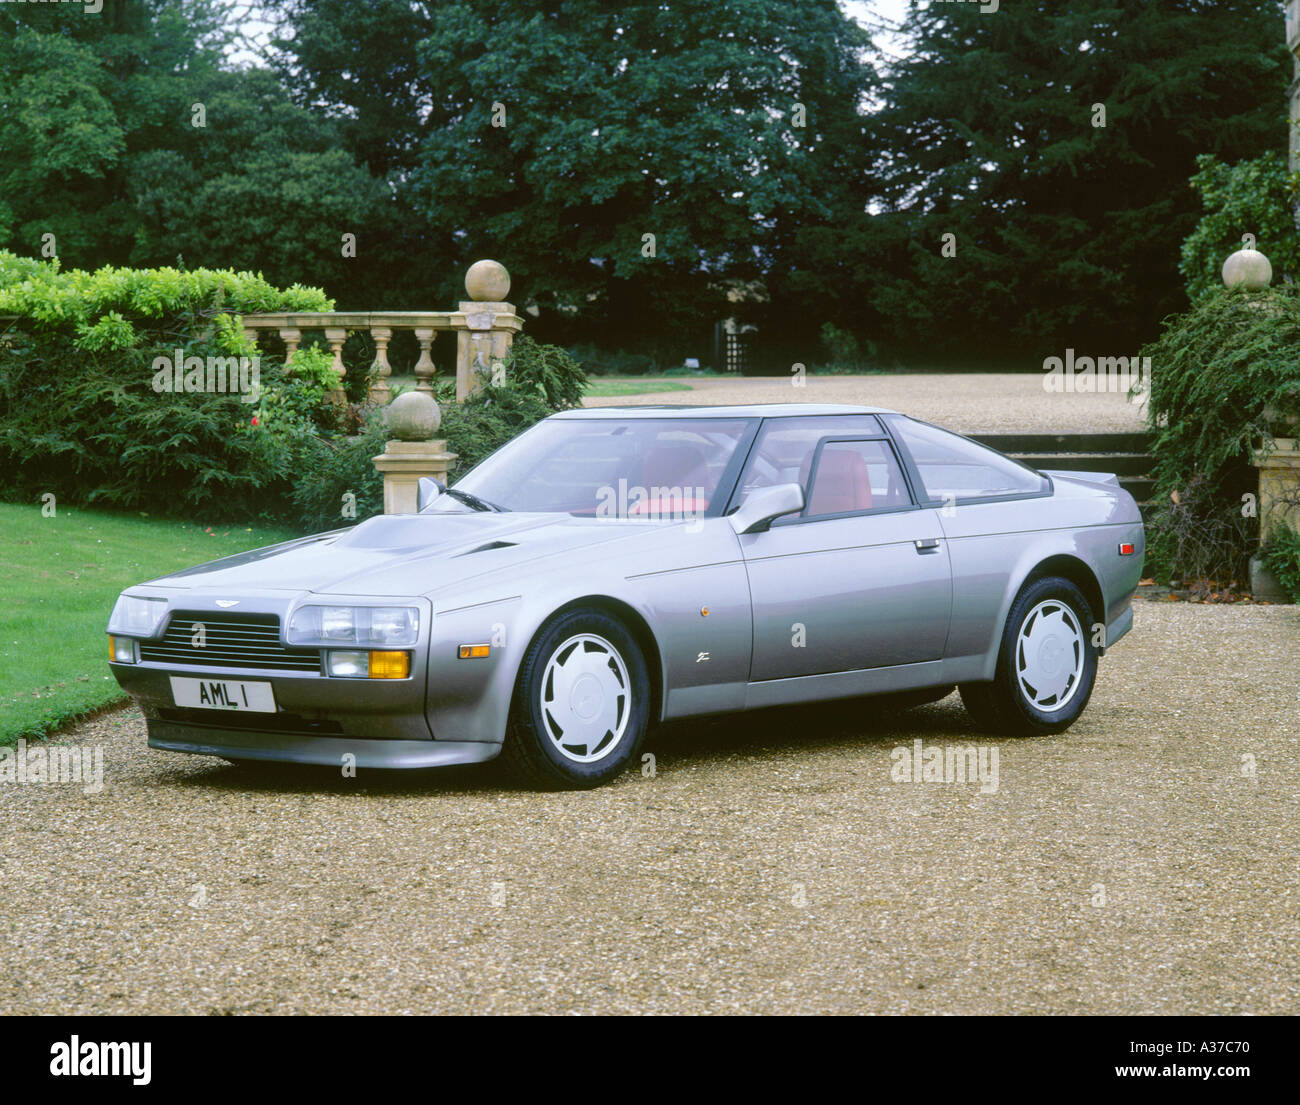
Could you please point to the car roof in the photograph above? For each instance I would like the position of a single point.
(752, 410)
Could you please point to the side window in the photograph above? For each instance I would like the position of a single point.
(953, 468)
(784, 450)
(849, 476)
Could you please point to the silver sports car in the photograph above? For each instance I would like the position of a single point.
(609, 569)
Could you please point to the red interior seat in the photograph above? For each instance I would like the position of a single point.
(843, 483)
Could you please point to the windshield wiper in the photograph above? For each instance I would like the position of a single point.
(473, 500)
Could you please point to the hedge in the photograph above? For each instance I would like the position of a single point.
(1225, 375)
(96, 405)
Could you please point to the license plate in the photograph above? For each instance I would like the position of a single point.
(223, 694)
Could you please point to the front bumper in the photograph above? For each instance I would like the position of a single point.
(309, 706)
(238, 744)
(374, 709)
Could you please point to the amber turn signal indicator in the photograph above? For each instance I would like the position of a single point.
(474, 652)
(390, 665)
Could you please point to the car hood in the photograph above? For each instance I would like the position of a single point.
(402, 554)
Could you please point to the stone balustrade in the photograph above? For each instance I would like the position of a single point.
(485, 327)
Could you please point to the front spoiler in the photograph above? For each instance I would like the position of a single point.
(234, 744)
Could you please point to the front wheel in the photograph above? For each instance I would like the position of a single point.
(581, 705)
(1046, 664)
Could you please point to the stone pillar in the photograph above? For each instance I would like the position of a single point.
(413, 452)
(1279, 484)
(491, 326)
(1278, 460)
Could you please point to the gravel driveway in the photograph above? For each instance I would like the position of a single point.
(770, 865)
(968, 402)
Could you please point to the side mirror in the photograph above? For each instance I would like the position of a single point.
(760, 507)
(429, 489)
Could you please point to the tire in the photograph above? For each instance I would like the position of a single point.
(581, 705)
(1047, 664)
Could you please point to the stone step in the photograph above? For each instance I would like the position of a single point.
(1038, 444)
(1121, 464)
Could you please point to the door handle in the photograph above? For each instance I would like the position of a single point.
(929, 545)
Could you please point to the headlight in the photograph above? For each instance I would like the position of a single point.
(121, 650)
(134, 616)
(354, 625)
(354, 664)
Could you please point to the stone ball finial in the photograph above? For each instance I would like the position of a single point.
(413, 416)
(1247, 268)
(487, 282)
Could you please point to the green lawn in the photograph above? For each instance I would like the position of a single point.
(60, 578)
(600, 386)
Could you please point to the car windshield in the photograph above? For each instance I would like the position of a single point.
(606, 467)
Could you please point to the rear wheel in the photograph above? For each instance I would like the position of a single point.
(581, 705)
(1046, 663)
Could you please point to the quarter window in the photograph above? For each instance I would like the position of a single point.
(953, 468)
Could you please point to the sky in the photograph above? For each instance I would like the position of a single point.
(865, 10)
(860, 10)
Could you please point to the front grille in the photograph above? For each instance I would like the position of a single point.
(257, 723)
(229, 641)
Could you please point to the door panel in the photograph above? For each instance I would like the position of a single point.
(845, 593)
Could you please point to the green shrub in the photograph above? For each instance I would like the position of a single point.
(39, 291)
(88, 405)
(334, 480)
(299, 402)
(846, 355)
(841, 346)
(1224, 375)
(15, 269)
(486, 421)
(1252, 197)
(615, 362)
(89, 428)
(545, 370)
(682, 370)
(1282, 556)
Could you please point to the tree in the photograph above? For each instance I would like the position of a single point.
(637, 166)
(129, 139)
(79, 96)
(1255, 197)
(263, 186)
(1054, 142)
(358, 63)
